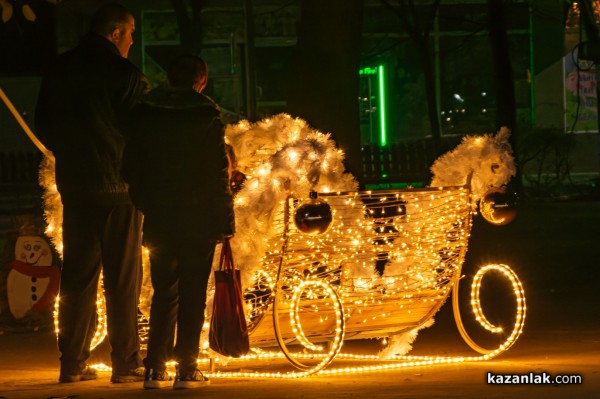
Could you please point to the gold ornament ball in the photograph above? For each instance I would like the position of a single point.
(498, 207)
(313, 216)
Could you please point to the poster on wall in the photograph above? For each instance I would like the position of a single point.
(581, 98)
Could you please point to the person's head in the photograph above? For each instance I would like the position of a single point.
(116, 23)
(188, 71)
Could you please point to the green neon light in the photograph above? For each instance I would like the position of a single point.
(382, 105)
(368, 71)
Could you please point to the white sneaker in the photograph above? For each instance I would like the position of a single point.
(156, 379)
(192, 379)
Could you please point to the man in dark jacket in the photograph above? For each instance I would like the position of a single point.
(82, 103)
(176, 166)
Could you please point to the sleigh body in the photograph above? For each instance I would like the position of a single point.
(390, 257)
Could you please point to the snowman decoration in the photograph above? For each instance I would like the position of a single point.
(32, 282)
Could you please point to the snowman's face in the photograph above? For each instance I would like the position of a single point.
(33, 250)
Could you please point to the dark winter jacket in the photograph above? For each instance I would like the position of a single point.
(175, 161)
(83, 100)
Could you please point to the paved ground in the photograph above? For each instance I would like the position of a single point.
(554, 249)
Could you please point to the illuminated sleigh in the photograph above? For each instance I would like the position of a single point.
(381, 268)
(385, 266)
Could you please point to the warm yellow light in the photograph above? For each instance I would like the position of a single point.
(293, 155)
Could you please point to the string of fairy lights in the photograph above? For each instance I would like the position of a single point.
(381, 268)
(418, 239)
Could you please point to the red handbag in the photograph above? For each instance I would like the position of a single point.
(228, 333)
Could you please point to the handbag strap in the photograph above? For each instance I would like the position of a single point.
(226, 261)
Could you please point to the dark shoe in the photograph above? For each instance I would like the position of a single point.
(192, 379)
(155, 379)
(87, 373)
(133, 375)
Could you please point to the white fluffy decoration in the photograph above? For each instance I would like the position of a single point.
(279, 155)
(401, 344)
(488, 157)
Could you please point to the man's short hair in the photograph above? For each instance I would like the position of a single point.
(186, 70)
(109, 17)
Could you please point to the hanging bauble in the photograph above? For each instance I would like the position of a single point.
(313, 216)
(498, 206)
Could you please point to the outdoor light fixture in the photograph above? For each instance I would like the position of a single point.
(458, 98)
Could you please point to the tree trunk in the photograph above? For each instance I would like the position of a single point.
(504, 81)
(506, 109)
(191, 30)
(323, 82)
(418, 27)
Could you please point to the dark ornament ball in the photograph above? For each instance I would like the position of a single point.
(498, 206)
(313, 216)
